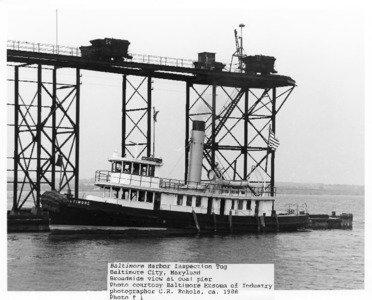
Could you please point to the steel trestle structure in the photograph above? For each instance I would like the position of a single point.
(136, 118)
(46, 134)
(239, 109)
(237, 129)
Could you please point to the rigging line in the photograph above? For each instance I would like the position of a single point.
(220, 164)
(176, 164)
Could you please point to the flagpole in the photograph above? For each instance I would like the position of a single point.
(56, 27)
(154, 116)
(153, 130)
(268, 146)
(60, 178)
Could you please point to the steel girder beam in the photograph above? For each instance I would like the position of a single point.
(77, 134)
(237, 126)
(44, 129)
(15, 138)
(136, 116)
(197, 76)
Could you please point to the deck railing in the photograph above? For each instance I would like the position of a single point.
(144, 181)
(43, 48)
(175, 184)
(216, 187)
(102, 176)
(75, 51)
(161, 60)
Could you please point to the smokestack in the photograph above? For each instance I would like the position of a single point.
(196, 151)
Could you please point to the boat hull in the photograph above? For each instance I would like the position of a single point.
(68, 211)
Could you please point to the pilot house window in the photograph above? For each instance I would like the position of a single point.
(115, 192)
(151, 171)
(136, 169)
(144, 170)
(157, 197)
(189, 200)
(248, 204)
(117, 167)
(179, 199)
(133, 195)
(125, 194)
(127, 167)
(141, 196)
(240, 204)
(149, 197)
(198, 201)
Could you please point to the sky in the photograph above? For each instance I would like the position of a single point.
(321, 127)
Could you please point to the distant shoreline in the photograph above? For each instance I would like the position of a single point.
(318, 192)
(319, 189)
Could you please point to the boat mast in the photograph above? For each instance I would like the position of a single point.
(155, 116)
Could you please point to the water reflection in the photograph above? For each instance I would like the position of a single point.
(303, 260)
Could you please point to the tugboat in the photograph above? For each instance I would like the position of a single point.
(132, 196)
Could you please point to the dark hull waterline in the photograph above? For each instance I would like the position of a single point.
(64, 211)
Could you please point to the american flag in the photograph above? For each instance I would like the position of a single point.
(273, 141)
(155, 115)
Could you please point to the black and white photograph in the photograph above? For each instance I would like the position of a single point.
(192, 140)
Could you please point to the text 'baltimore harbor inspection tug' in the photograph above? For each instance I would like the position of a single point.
(133, 196)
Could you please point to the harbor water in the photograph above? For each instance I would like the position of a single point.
(325, 259)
